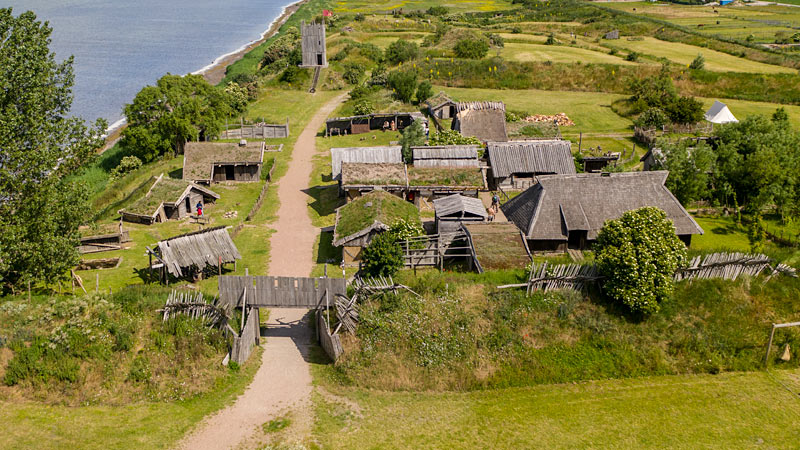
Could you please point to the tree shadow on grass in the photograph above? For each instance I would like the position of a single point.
(326, 199)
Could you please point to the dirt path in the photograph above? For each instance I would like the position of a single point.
(291, 250)
(282, 382)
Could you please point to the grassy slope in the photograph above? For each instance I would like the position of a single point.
(732, 410)
(525, 52)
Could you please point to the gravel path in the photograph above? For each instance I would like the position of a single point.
(283, 382)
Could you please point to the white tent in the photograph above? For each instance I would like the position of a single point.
(719, 113)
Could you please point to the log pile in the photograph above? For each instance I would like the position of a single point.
(231, 214)
(560, 118)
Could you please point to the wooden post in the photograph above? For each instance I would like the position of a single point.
(96, 282)
(769, 346)
(219, 264)
(29, 291)
(580, 141)
(244, 309)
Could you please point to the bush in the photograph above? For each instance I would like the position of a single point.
(551, 40)
(403, 84)
(383, 256)
(516, 30)
(379, 76)
(353, 72)
(292, 75)
(452, 137)
(359, 17)
(632, 56)
(403, 229)
(412, 136)
(638, 255)
(652, 118)
(401, 51)
(127, 165)
(363, 107)
(698, 63)
(424, 91)
(496, 40)
(685, 110)
(140, 370)
(471, 49)
(437, 11)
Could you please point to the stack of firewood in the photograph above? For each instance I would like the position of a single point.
(231, 214)
(560, 118)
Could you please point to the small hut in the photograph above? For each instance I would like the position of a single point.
(364, 155)
(446, 156)
(369, 122)
(568, 211)
(215, 162)
(441, 106)
(515, 165)
(483, 120)
(359, 221)
(614, 34)
(167, 199)
(188, 255)
(453, 210)
(313, 45)
(104, 238)
(429, 183)
(358, 179)
(593, 164)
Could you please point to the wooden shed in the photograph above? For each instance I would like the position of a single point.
(446, 156)
(567, 211)
(359, 221)
(483, 120)
(452, 211)
(614, 34)
(215, 162)
(441, 106)
(188, 255)
(515, 165)
(167, 199)
(593, 164)
(366, 123)
(392, 154)
(313, 45)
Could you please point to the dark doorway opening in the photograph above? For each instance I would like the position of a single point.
(229, 176)
(319, 59)
(188, 205)
(577, 239)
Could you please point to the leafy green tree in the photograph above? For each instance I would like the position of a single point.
(632, 56)
(424, 91)
(413, 136)
(40, 209)
(238, 96)
(452, 137)
(162, 118)
(690, 169)
(353, 72)
(551, 40)
(757, 234)
(652, 92)
(698, 63)
(383, 256)
(403, 84)
(652, 118)
(363, 107)
(401, 51)
(471, 48)
(127, 165)
(638, 255)
(780, 116)
(685, 110)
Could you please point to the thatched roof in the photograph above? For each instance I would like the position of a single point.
(199, 158)
(374, 174)
(459, 206)
(558, 204)
(377, 210)
(539, 157)
(200, 248)
(385, 154)
(483, 120)
(460, 177)
(446, 156)
(165, 191)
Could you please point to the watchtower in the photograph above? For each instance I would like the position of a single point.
(313, 36)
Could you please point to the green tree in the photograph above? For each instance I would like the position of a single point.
(638, 255)
(176, 110)
(401, 51)
(424, 91)
(238, 96)
(652, 118)
(685, 110)
(471, 48)
(689, 169)
(452, 137)
(757, 234)
(403, 84)
(363, 107)
(353, 72)
(40, 209)
(383, 256)
(698, 63)
(413, 135)
(652, 92)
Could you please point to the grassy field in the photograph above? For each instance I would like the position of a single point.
(684, 54)
(365, 6)
(736, 410)
(524, 52)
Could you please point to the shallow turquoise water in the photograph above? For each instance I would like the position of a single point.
(121, 46)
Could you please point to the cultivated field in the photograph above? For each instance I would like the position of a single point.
(524, 52)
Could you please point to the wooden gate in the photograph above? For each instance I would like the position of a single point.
(279, 292)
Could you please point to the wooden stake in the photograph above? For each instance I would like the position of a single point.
(29, 291)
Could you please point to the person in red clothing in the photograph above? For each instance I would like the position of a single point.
(199, 209)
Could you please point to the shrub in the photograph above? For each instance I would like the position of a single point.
(412, 136)
(437, 11)
(516, 30)
(363, 107)
(127, 165)
(401, 51)
(140, 370)
(471, 49)
(652, 118)
(496, 40)
(233, 366)
(424, 91)
(632, 56)
(638, 255)
(404, 84)
(379, 76)
(353, 72)
(383, 256)
(360, 91)
(371, 52)
(359, 17)
(685, 110)
(452, 137)
(551, 40)
(698, 63)
(403, 229)
(292, 75)
(613, 51)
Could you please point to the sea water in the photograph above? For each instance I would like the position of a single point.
(120, 46)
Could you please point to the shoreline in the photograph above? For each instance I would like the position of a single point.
(214, 73)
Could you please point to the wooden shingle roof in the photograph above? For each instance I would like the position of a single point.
(558, 204)
(386, 154)
(457, 206)
(201, 248)
(446, 156)
(540, 157)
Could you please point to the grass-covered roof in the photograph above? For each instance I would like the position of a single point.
(163, 190)
(375, 207)
(445, 176)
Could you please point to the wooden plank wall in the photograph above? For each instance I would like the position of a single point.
(330, 343)
(279, 292)
(243, 345)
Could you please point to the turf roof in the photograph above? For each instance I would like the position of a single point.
(377, 206)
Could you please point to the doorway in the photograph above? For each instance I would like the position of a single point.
(229, 173)
(319, 59)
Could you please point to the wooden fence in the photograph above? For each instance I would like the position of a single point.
(278, 292)
(330, 342)
(251, 335)
(730, 266)
(193, 305)
(257, 131)
(261, 196)
(434, 249)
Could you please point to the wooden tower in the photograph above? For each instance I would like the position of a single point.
(313, 36)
